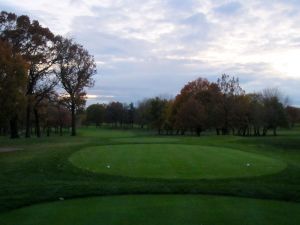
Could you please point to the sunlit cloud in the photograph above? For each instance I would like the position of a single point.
(91, 96)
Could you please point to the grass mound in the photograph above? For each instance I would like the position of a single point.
(171, 161)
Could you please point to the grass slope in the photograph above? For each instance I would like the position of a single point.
(157, 209)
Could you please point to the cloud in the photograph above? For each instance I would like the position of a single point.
(230, 8)
(147, 48)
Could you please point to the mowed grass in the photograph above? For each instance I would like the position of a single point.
(174, 161)
(157, 209)
(42, 172)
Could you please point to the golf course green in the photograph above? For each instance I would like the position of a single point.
(174, 161)
(157, 209)
(131, 177)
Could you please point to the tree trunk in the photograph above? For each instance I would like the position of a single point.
(48, 131)
(198, 131)
(265, 130)
(225, 131)
(274, 131)
(60, 129)
(28, 122)
(14, 128)
(73, 132)
(37, 123)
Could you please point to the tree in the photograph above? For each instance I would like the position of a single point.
(230, 88)
(274, 113)
(43, 94)
(157, 112)
(60, 113)
(143, 113)
(75, 70)
(37, 46)
(12, 86)
(256, 114)
(169, 118)
(95, 114)
(115, 113)
(241, 115)
(191, 115)
(293, 114)
(205, 95)
(131, 111)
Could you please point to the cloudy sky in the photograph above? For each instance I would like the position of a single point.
(148, 48)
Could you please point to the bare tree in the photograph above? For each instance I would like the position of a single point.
(75, 70)
(44, 91)
(230, 89)
(274, 113)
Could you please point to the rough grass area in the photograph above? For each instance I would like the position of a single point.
(174, 161)
(157, 209)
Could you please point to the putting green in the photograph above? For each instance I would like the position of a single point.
(157, 209)
(173, 161)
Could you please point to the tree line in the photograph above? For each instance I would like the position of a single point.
(222, 106)
(34, 65)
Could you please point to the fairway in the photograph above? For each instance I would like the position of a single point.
(146, 209)
(174, 161)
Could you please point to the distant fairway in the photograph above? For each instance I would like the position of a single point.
(171, 161)
(158, 210)
(142, 140)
